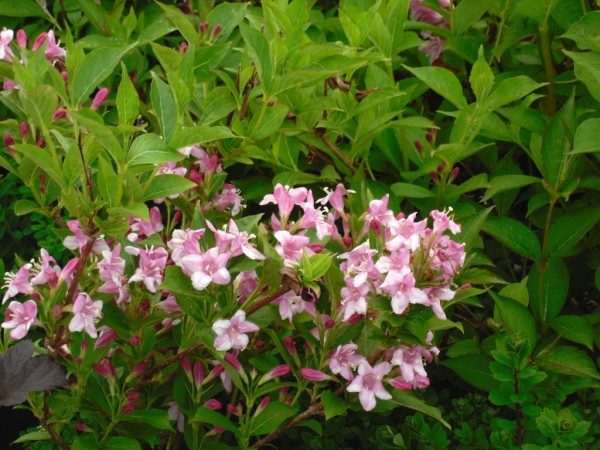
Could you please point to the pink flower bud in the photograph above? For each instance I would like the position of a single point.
(65, 75)
(329, 322)
(60, 113)
(133, 397)
(400, 384)
(434, 176)
(22, 38)
(39, 41)
(430, 136)
(99, 98)
(288, 400)
(135, 340)
(83, 428)
(233, 409)
(198, 374)
(42, 178)
(218, 370)
(419, 146)
(313, 375)
(454, 173)
(106, 369)
(289, 345)
(139, 369)
(216, 30)
(347, 241)
(24, 129)
(9, 141)
(232, 359)
(279, 371)
(41, 143)
(317, 247)
(127, 409)
(183, 47)
(187, 366)
(57, 310)
(203, 27)
(107, 335)
(213, 404)
(262, 405)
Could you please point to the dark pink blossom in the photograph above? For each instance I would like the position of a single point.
(142, 229)
(313, 374)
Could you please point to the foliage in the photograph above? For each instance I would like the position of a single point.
(488, 107)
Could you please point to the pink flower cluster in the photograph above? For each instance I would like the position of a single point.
(434, 45)
(416, 264)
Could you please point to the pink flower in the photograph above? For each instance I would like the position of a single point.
(245, 284)
(335, 198)
(435, 295)
(314, 218)
(107, 335)
(206, 268)
(433, 48)
(405, 232)
(279, 371)
(106, 369)
(141, 227)
(410, 361)
(442, 222)
(22, 38)
(235, 241)
(17, 283)
(354, 298)
(85, 312)
(345, 359)
(19, 317)
(285, 198)
(424, 14)
(151, 269)
(360, 264)
(291, 304)
(176, 415)
(80, 239)
(291, 247)
(229, 197)
(378, 214)
(169, 305)
(112, 266)
(5, 37)
(52, 49)
(231, 333)
(400, 284)
(368, 384)
(45, 273)
(184, 242)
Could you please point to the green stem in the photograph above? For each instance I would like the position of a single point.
(550, 101)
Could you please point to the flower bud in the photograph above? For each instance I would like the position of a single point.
(9, 141)
(454, 174)
(203, 27)
(41, 143)
(24, 130)
(57, 310)
(262, 405)
(198, 372)
(213, 404)
(217, 30)
(106, 369)
(183, 47)
(135, 340)
(313, 375)
(99, 98)
(289, 345)
(139, 369)
(39, 41)
(233, 361)
(278, 371)
(22, 38)
(419, 146)
(83, 428)
(133, 397)
(60, 113)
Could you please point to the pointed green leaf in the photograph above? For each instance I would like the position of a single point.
(474, 369)
(165, 107)
(568, 360)
(586, 137)
(548, 289)
(569, 229)
(587, 70)
(516, 320)
(165, 185)
(128, 101)
(151, 149)
(575, 329)
(443, 82)
(514, 235)
(94, 69)
(272, 417)
(258, 47)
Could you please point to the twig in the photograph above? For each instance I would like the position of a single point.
(287, 284)
(336, 151)
(150, 372)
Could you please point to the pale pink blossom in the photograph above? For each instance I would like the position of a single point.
(400, 284)
(433, 48)
(378, 214)
(434, 297)
(335, 198)
(184, 242)
(368, 384)
(344, 360)
(5, 37)
(442, 222)
(405, 232)
(195, 150)
(291, 247)
(231, 334)
(285, 198)
(151, 267)
(19, 317)
(423, 14)
(235, 242)
(169, 305)
(447, 256)
(245, 284)
(46, 274)
(314, 218)
(410, 361)
(208, 267)
(360, 264)
(112, 266)
(354, 298)
(80, 239)
(17, 283)
(175, 415)
(291, 304)
(52, 49)
(142, 229)
(85, 313)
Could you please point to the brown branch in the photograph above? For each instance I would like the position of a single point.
(56, 437)
(287, 284)
(336, 151)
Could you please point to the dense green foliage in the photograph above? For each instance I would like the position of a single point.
(502, 128)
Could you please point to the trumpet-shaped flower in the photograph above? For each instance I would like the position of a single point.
(19, 317)
(206, 268)
(17, 283)
(232, 333)
(368, 384)
(85, 311)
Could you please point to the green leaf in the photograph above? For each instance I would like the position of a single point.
(189, 299)
(111, 189)
(151, 149)
(333, 405)
(258, 47)
(21, 8)
(466, 13)
(264, 127)
(575, 329)
(443, 82)
(199, 135)
(516, 320)
(156, 418)
(510, 90)
(24, 206)
(165, 107)
(517, 291)
(229, 16)
(33, 436)
(568, 360)
(548, 289)
(205, 415)
(474, 369)
(482, 77)
(557, 144)
(182, 23)
(408, 400)
(585, 32)
(410, 190)
(121, 443)
(94, 124)
(128, 101)
(94, 69)
(569, 229)
(39, 104)
(514, 235)
(272, 417)
(586, 137)
(587, 70)
(42, 159)
(470, 227)
(505, 183)
(162, 186)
